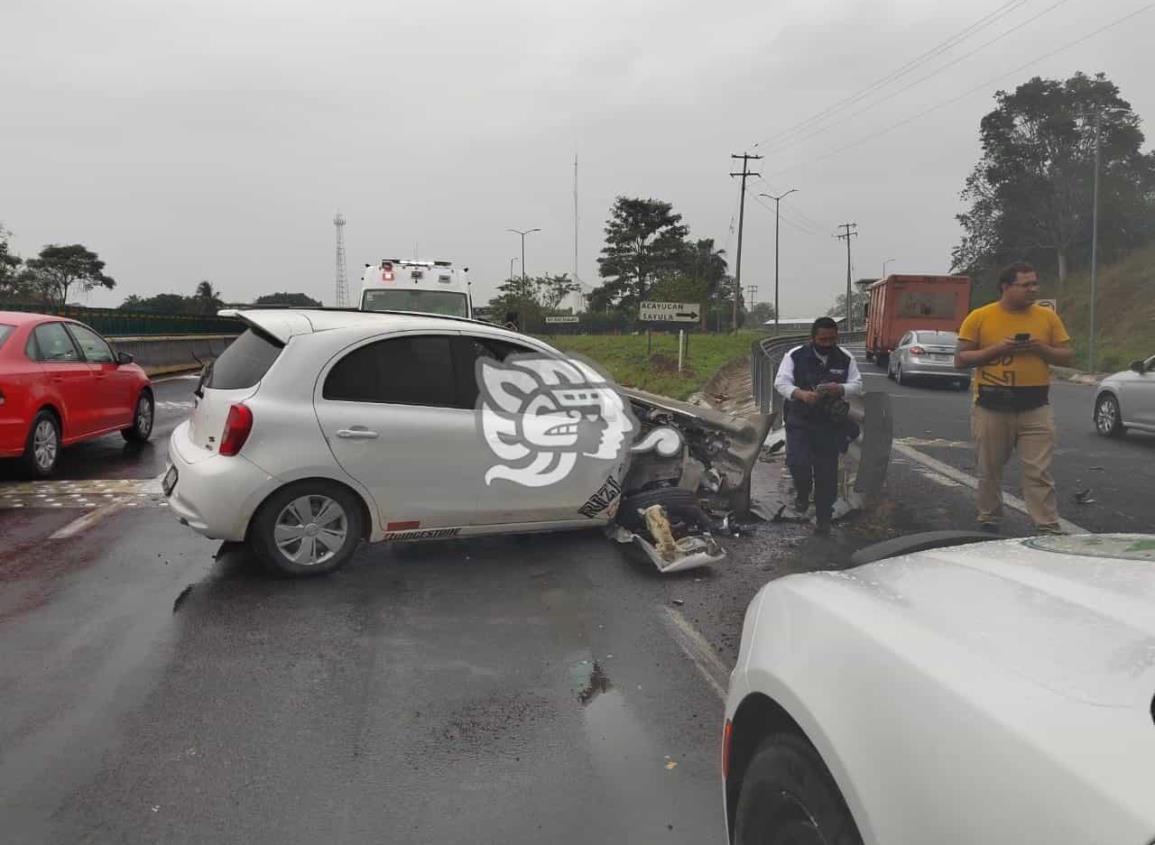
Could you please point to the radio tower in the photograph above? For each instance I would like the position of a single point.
(342, 282)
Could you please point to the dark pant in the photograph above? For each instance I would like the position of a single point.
(812, 456)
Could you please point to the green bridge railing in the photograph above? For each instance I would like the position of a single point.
(116, 323)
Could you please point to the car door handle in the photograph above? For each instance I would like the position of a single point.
(357, 432)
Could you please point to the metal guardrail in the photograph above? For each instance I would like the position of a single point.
(113, 322)
(869, 456)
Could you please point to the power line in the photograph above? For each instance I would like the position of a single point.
(898, 73)
(818, 131)
(984, 85)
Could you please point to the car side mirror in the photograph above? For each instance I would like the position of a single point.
(124, 358)
(1138, 367)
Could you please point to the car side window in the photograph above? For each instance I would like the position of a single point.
(399, 371)
(93, 346)
(53, 345)
(904, 339)
(468, 350)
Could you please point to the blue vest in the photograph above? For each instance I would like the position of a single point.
(809, 372)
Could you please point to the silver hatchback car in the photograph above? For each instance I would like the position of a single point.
(318, 429)
(929, 355)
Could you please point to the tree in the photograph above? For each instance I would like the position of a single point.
(13, 283)
(162, 303)
(759, 315)
(59, 269)
(858, 300)
(551, 291)
(206, 299)
(645, 239)
(1030, 195)
(295, 300)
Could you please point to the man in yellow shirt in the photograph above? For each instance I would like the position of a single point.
(1011, 344)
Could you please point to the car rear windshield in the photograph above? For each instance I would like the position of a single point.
(4, 332)
(422, 301)
(244, 363)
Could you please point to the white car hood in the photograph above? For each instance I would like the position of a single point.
(1075, 615)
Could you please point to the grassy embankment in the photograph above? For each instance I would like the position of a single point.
(1126, 310)
(625, 358)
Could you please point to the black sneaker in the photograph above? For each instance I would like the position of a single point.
(990, 527)
(801, 505)
(822, 528)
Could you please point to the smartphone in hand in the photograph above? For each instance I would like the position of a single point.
(1023, 337)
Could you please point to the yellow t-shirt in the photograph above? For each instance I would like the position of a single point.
(992, 323)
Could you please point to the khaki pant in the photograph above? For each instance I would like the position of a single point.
(997, 434)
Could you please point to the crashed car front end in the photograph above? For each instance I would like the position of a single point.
(687, 480)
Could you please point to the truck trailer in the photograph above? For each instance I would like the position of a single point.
(901, 303)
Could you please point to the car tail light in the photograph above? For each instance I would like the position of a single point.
(237, 428)
(917, 350)
(386, 272)
(727, 734)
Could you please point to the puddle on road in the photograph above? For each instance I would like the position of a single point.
(597, 683)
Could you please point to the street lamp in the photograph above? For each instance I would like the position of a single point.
(777, 200)
(884, 263)
(523, 234)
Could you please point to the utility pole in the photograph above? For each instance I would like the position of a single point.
(746, 159)
(511, 262)
(777, 199)
(848, 233)
(341, 293)
(523, 234)
(1094, 246)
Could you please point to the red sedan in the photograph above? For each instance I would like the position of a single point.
(60, 383)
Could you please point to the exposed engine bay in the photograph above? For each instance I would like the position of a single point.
(687, 481)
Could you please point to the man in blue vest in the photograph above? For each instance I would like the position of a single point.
(816, 379)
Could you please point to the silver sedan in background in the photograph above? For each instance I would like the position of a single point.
(927, 355)
(1127, 400)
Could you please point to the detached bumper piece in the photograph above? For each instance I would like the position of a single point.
(665, 552)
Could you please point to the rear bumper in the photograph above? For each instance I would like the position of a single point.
(941, 369)
(215, 496)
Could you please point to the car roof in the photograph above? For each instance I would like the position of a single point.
(285, 323)
(24, 318)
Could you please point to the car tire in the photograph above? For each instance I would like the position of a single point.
(287, 536)
(1108, 416)
(681, 505)
(789, 797)
(143, 418)
(883, 362)
(898, 374)
(42, 449)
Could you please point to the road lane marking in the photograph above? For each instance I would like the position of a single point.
(937, 441)
(85, 522)
(970, 481)
(695, 647)
(92, 493)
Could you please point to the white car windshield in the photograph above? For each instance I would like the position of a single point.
(422, 301)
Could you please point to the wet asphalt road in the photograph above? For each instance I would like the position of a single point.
(1120, 473)
(155, 686)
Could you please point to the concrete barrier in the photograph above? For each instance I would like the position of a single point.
(161, 355)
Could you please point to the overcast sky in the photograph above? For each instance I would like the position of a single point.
(215, 140)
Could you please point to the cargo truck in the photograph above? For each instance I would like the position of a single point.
(901, 303)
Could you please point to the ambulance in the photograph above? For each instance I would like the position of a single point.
(424, 287)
